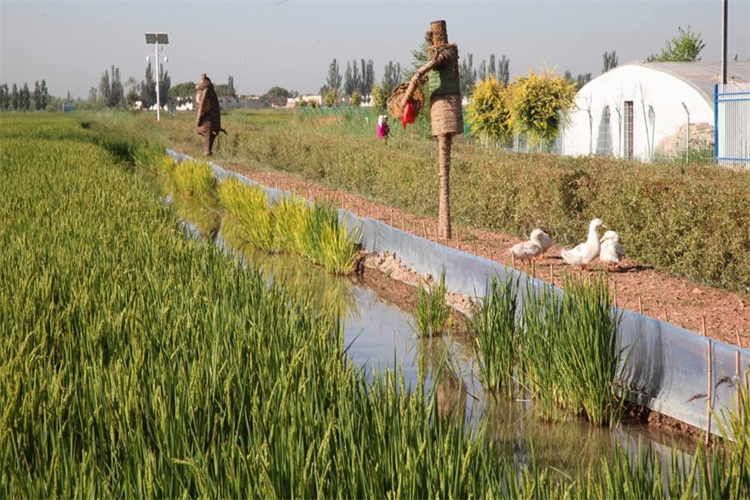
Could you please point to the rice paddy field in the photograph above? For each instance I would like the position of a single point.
(163, 334)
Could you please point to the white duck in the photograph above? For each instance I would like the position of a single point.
(543, 238)
(528, 250)
(611, 250)
(585, 253)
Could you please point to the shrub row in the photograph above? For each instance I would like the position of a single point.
(691, 221)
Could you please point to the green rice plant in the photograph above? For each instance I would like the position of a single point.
(539, 338)
(433, 311)
(248, 206)
(290, 220)
(570, 356)
(135, 362)
(496, 339)
(319, 216)
(587, 356)
(338, 249)
(734, 424)
(194, 178)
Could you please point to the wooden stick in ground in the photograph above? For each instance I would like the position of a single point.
(709, 392)
(512, 260)
(391, 218)
(492, 257)
(552, 275)
(737, 371)
(424, 230)
(614, 284)
(640, 305)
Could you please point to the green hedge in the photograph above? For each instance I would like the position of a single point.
(692, 221)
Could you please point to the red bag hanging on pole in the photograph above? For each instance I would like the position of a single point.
(409, 115)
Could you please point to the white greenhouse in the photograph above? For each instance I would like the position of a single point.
(648, 111)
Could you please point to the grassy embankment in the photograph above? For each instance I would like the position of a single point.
(137, 362)
(690, 221)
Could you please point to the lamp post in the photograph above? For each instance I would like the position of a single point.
(724, 29)
(156, 39)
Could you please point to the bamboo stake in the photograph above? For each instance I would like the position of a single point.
(552, 274)
(709, 392)
(640, 305)
(614, 282)
(512, 260)
(533, 268)
(476, 252)
(391, 218)
(424, 230)
(492, 256)
(737, 370)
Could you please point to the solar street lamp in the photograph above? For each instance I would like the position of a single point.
(156, 39)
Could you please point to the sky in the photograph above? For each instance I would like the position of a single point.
(291, 43)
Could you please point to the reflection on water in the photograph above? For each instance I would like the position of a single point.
(378, 335)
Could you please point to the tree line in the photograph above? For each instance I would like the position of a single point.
(15, 98)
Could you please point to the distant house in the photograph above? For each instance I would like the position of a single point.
(641, 110)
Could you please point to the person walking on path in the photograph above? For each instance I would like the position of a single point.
(208, 115)
(445, 108)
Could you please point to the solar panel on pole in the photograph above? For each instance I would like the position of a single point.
(156, 39)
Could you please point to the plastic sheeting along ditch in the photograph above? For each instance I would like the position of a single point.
(666, 366)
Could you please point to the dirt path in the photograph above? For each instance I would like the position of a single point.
(638, 287)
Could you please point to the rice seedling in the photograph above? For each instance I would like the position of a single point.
(194, 178)
(587, 355)
(248, 205)
(569, 351)
(433, 311)
(734, 424)
(496, 342)
(538, 335)
(290, 219)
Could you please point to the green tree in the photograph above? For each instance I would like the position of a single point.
(165, 84)
(333, 80)
(503, 70)
(148, 88)
(183, 90)
(278, 95)
(45, 94)
(489, 111)
(391, 77)
(230, 84)
(467, 74)
(352, 78)
(685, 47)
(379, 98)
(15, 101)
(331, 98)
(538, 103)
(4, 97)
(367, 77)
(609, 61)
(356, 100)
(37, 96)
(111, 90)
(25, 97)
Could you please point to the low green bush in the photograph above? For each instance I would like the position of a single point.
(691, 221)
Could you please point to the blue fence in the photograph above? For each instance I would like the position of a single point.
(732, 124)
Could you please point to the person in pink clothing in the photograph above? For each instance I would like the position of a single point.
(383, 129)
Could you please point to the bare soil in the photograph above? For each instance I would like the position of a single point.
(638, 287)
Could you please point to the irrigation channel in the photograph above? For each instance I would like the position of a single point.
(380, 334)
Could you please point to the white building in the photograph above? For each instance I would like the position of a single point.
(641, 110)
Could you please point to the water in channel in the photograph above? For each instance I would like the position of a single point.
(380, 335)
